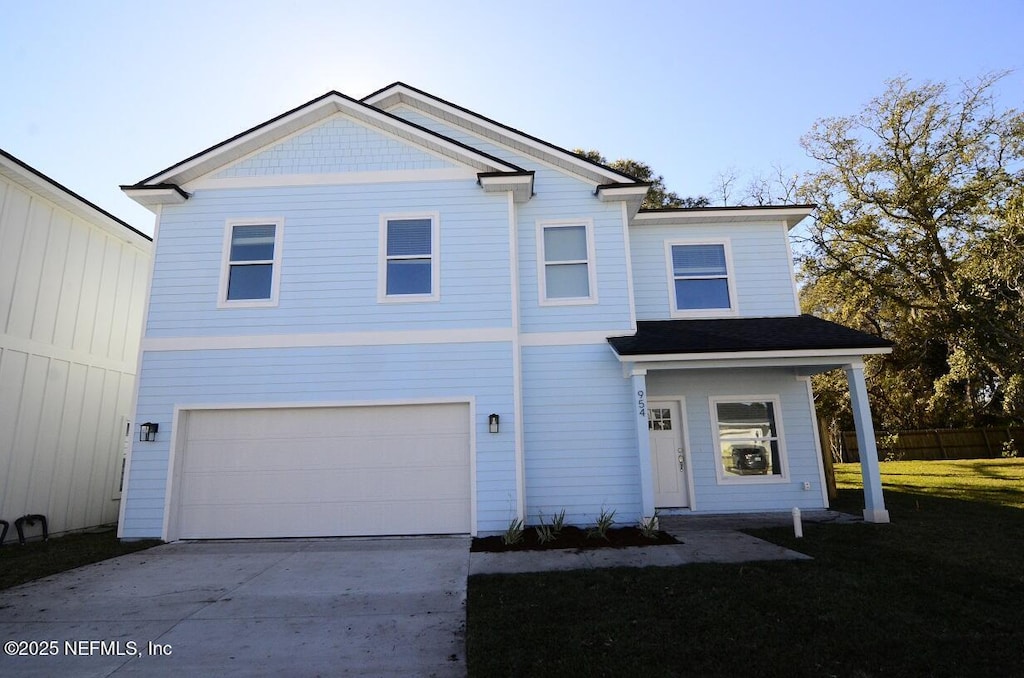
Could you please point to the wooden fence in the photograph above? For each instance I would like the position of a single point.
(931, 444)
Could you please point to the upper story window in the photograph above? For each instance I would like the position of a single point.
(749, 439)
(409, 267)
(252, 263)
(700, 282)
(566, 261)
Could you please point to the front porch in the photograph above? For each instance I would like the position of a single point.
(731, 353)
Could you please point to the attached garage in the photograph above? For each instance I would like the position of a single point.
(323, 471)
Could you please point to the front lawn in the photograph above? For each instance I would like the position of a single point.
(938, 592)
(37, 559)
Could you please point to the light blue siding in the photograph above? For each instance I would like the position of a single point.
(580, 445)
(760, 267)
(558, 196)
(304, 376)
(797, 426)
(329, 264)
(338, 145)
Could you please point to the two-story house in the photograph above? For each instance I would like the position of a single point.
(397, 316)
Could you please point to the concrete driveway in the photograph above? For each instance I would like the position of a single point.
(316, 607)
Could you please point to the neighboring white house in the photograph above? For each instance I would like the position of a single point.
(396, 316)
(72, 293)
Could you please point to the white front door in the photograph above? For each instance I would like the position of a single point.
(668, 460)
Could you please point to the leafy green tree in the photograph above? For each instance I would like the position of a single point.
(658, 195)
(918, 237)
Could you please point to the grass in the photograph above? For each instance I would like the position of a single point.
(938, 592)
(37, 559)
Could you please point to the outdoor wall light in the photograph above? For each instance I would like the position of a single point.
(492, 423)
(147, 432)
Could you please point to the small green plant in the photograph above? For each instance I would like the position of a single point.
(1009, 449)
(514, 532)
(558, 522)
(649, 527)
(544, 531)
(603, 524)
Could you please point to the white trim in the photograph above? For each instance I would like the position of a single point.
(730, 278)
(825, 356)
(591, 262)
(134, 413)
(567, 338)
(629, 267)
(772, 479)
(333, 179)
(331, 339)
(684, 437)
(275, 274)
(817, 440)
(435, 259)
(180, 417)
(792, 276)
(789, 216)
(517, 357)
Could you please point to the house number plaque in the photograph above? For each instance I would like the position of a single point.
(641, 403)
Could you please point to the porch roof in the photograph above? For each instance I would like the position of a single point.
(803, 333)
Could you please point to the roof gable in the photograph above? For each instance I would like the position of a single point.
(277, 129)
(399, 93)
(342, 145)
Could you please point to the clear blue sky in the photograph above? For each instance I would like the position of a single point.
(101, 93)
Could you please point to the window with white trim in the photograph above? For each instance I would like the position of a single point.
(566, 253)
(700, 280)
(409, 269)
(252, 261)
(748, 438)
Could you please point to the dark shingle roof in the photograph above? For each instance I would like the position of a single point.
(729, 335)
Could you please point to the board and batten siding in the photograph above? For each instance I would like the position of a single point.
(760, 267)
(71, 301)
(329, 260)
(580, 443)
(557, 196)
(334, 376)
(804, 461)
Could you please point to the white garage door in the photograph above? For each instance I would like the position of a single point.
(336, 471)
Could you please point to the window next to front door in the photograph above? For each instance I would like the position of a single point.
(749, 442)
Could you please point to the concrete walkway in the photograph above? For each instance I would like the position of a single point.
(705, 539)
(329, 607)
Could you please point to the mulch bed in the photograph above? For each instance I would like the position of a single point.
(574, 538)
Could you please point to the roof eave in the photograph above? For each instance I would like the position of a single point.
(157, 194)
(791, 215)
(520, 183)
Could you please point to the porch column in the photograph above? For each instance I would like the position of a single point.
(874, 502)
(643, 440)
